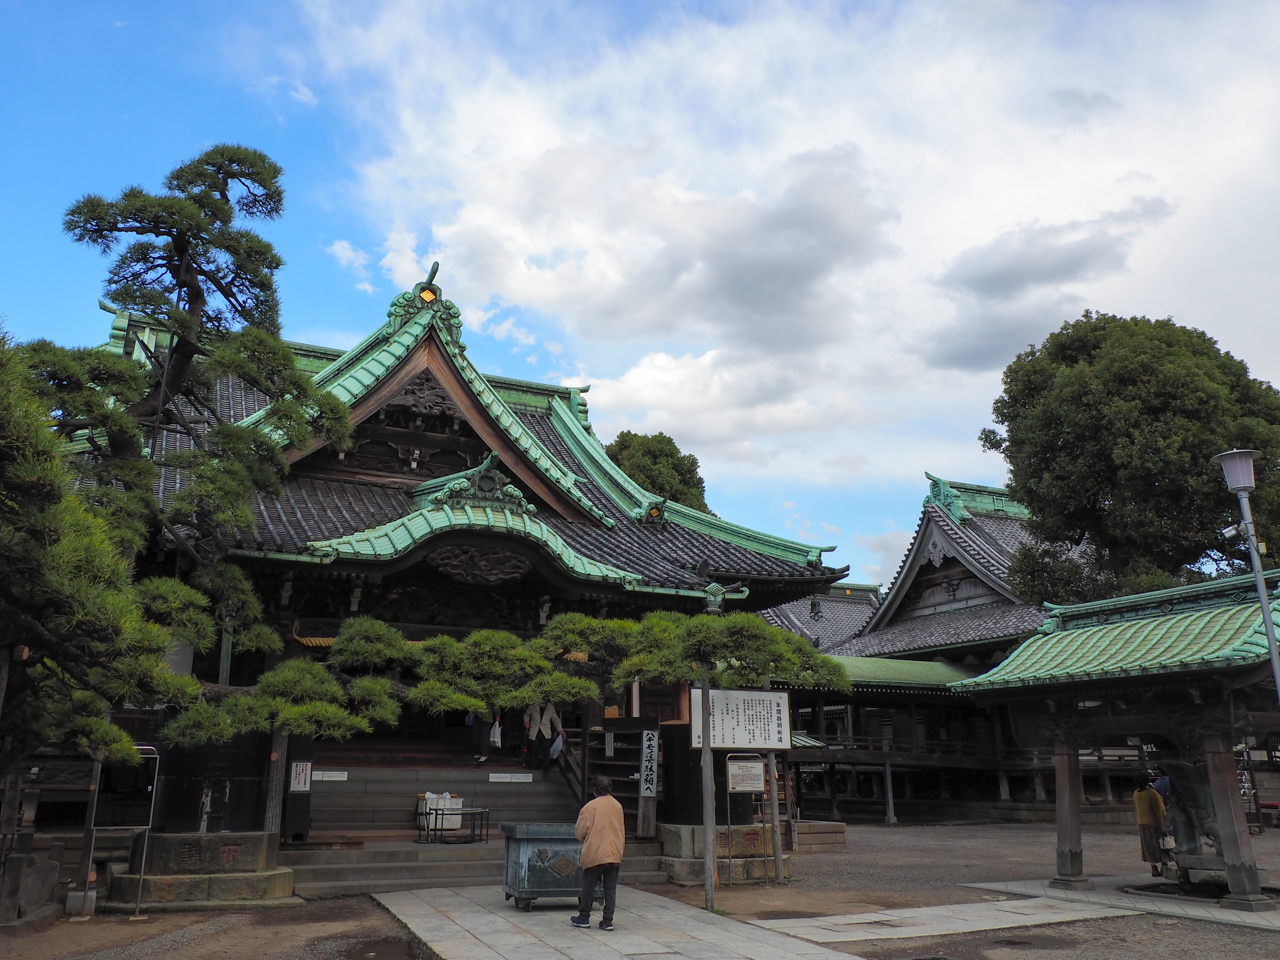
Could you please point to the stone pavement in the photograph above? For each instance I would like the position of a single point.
(939, 921)
(475, 923)
(1109, 892)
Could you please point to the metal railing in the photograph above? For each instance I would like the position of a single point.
(907, 745)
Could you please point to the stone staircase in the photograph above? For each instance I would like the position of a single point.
(373, 800)
(362, 829)
(388, 866)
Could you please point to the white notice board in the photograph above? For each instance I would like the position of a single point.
(743, 720)
(300, 780)
(746, 776)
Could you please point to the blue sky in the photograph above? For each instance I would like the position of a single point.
(801, 238)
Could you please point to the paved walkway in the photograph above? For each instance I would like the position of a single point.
(940, 921)
(475, 923)
(1109, 892)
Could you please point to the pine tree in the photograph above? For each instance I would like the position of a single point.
(77, 635)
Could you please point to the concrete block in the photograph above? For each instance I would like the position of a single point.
(266, 885)
(689, 872)
(683, 841)
(172, 889)
(173, 854)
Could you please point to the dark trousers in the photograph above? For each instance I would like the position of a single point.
(590, 877)
(539, 753)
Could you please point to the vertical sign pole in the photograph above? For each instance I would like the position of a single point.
(774, 818)
(708, 802)
(728, 819)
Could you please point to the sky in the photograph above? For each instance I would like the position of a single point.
(803, 239)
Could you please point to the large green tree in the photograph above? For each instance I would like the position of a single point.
(199, 286)
(655, 462)
(77, 635)
(1109, 426)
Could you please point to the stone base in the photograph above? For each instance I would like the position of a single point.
(1255, 903)
(34, 922)
(196, 906)
(685, 841)
(1071, 883)
(75, 899)
(258, 885)
(688, 871)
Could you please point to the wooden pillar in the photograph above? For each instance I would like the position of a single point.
(1004, 785)
(1066, 765)
(944, 790)
(1107, 795)
(915, 728)
(1038, 779)
(908, 785)
(889, 816)
(1236, 848)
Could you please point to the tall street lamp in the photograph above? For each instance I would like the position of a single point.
(1237, 468)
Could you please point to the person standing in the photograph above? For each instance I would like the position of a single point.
(542, 725)
(604, 835)
(1149, 806)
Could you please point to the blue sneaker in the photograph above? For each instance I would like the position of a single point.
(606, 925)
(583, 922)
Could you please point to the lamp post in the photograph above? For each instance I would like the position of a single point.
(1237, 468)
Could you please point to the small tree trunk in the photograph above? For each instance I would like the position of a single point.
(5, 656)
(708, 801)
(85, 876)
(275, 781)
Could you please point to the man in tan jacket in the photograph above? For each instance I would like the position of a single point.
(603, 834)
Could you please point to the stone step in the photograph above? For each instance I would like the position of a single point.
(405, 870)
(343, 888)
(427, 853)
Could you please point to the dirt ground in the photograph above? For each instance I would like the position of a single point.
(351, 928)
(883, 868)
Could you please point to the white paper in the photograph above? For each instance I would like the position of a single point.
(743, 720)
(746, 776)
(300, 779)
(649, 764)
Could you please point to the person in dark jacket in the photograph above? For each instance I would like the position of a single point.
(604, 835)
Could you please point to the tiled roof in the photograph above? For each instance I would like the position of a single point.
(666, 554)
(314, 509)
(1212, 638)
(841, 616)
(322, 520)
(995, 621)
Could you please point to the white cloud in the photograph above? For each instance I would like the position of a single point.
(302, 93)
(509, 328)
(354, 261)
(802, 240)
(347, 255)
(889, 547)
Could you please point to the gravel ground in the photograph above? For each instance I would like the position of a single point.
(351, 928)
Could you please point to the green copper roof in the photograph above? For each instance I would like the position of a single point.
(631, 496)
(963, 500)
(395, 539)
(408, 321)
(310, 357)
(1208, 638)
(915, 673)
